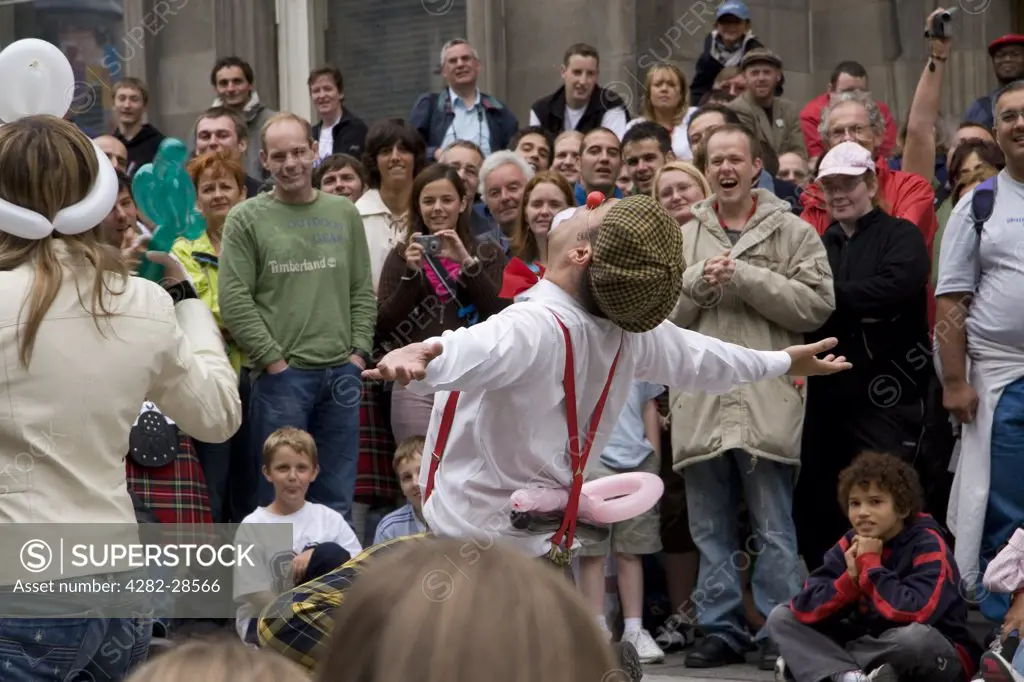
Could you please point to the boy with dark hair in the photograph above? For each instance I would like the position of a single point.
(886, 602)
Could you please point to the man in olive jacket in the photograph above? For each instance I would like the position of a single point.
(779, 131)
(758, 276)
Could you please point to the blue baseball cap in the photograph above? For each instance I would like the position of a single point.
(734, 8)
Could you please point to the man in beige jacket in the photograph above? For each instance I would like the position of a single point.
(756, 275)
(775, 120)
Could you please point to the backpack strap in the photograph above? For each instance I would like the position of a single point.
(983, 203)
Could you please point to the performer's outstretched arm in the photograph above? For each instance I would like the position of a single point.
(686, 360)
(499, 352)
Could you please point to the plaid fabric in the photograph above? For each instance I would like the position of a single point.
(175, 493)
(375, 480)
(297, 624)
(636, 275)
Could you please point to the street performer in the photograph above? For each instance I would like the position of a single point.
(523, 398)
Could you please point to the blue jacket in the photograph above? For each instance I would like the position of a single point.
(913, 580)
(432, 115)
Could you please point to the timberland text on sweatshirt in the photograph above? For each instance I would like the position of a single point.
(295, 281)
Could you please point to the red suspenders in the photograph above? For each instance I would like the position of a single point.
(562, 540)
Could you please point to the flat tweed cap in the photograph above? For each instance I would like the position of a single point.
(636, 275)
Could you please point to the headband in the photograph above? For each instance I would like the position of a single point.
(38, 80)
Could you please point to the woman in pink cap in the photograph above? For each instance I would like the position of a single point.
(880, 268)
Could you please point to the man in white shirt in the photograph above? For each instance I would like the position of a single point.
(614, 275)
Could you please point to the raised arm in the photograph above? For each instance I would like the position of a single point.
(919, 148)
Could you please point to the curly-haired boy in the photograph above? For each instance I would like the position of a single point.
(886, 603)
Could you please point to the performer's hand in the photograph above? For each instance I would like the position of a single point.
(174, 271)
(406, 364)
(851, 559)
(806, 362)
(961, 400)
(132, 248)
(866, 545)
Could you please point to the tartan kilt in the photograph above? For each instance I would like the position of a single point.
(176, 492)
(375, 480)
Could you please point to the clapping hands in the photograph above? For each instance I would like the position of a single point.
(718, 271)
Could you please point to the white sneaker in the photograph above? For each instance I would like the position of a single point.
(780, 670)
(646, 648)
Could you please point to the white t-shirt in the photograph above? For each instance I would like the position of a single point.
(993, 265)
(614, 119)
(313, 524)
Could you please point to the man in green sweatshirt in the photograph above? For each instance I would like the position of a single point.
(296, 294)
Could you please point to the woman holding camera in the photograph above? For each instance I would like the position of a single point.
(437, 279)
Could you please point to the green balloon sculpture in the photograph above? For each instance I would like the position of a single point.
(165, 194)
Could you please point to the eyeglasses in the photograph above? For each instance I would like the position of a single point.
(302, 154)
(1010, 116)
(839, 134)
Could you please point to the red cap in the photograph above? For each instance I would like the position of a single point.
(594, 199)
(1008, 39)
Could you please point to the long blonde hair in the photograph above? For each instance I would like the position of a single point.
(47, 164)
(464, 611)
(220, 659)
(647, 105)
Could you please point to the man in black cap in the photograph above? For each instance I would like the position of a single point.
(776, 120)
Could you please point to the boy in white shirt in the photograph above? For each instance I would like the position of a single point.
(407, 520)
(321, 539)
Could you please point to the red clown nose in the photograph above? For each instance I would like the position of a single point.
(594, 199)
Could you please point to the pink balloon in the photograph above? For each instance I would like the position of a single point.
(606, 500)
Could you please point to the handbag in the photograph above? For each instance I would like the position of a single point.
(153, 441)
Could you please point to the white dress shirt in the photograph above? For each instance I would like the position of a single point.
(510, 430)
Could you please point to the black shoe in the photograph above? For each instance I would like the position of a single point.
(629, 661)
(768, 653)
(713, 652)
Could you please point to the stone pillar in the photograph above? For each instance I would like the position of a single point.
(135, 38)
(295, 53)
(247, 29)
(485, 30)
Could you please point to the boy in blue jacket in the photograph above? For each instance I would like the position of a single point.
(886, 604)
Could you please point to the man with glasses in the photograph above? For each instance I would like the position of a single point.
(1008, 62)
(855, 116)
(296, 294)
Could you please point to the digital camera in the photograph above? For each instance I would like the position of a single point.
(430, 243)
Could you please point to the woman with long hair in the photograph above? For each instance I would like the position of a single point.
(546, 195)
(665, 102)
(438, 278)
(84, 344)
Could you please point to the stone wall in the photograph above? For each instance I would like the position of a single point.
(811, 37)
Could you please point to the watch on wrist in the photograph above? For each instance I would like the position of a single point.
(181, 291)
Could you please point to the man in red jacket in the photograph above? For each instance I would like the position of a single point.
(846, 77)
(855, 116)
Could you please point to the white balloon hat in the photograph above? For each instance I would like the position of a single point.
(38, 79)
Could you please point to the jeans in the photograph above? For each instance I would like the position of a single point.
(232, 476)
(713, 490)
(324, 402)
(1005, 510)
(72, 649)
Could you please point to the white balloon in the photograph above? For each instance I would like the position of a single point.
(37, 79)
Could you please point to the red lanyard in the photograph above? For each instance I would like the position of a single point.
(577, 457)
